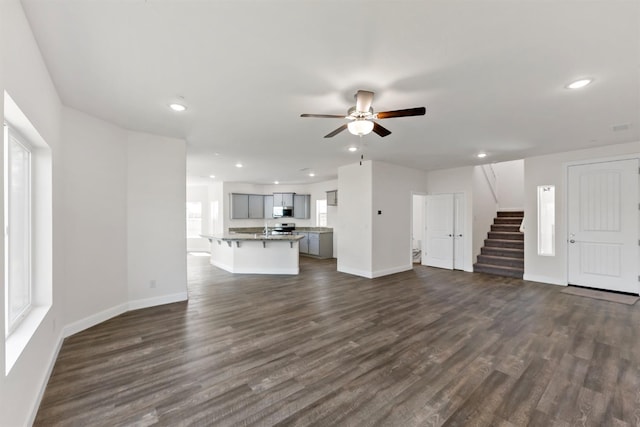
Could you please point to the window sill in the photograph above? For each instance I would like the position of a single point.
(17, 341)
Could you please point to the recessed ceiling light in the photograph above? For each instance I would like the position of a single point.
(177, 107)
(312, 174)
(276, 182)
(352, 149)
(579, 84)
(212, 176)
(481, 155)
(238, 165)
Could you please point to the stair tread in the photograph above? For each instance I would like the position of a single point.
(500, 267)
(501, 257)
(498, 248)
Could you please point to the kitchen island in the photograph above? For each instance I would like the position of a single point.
(255, 253)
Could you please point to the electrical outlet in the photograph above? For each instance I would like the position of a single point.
(152, 283)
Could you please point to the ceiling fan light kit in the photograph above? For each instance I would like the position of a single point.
(360, 127)
(362, 116)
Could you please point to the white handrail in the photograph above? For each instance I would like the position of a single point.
(491, 180)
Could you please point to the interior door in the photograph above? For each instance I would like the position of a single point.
(439, 233)
(603, 225)
(458, 231)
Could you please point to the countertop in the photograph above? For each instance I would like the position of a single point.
(251, 236)
(260, 230)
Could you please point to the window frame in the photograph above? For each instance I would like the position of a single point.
(13, 320)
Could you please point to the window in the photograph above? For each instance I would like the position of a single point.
(546, 220)
(194, 219)
(321, 213)
(17, 226)
(28, 231)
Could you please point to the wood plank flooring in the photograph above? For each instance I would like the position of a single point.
(427, 347)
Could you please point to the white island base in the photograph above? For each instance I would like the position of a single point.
(255, 254)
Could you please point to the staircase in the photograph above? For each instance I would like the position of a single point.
(503, 250)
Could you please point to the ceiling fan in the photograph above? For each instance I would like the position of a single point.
(361, 116)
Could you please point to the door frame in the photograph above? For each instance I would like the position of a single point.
(416, 193)
(468, 229)
(565, 183)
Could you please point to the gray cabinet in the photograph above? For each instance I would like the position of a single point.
(301, 206)
(303, 244)
(268, 207)
(256, 206)
(316, 244)
(245, 206)
(283, 199)
(332, 198)
(239, 206)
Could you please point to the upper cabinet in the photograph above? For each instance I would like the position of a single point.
(302, 206)
(256, 206)
(332, 198)
(283, 199)
(239, 206)
(268, 206)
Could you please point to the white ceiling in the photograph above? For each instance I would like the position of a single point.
(490, 73)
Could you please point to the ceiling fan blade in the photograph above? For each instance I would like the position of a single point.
(364, 98)
(418, 111)
(335, 132)
(382, 131)
(324, 116)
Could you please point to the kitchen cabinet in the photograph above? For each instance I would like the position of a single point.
(332, 198)
(303, 244)
(283, 199)
(268, 206)
(256, 206)
(316, 244)
(301, 206)
(239, 206)
(245, 206)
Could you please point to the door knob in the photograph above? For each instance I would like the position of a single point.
(459, 235)
(450, 235)
(572, 241)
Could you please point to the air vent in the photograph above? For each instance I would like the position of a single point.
(620, 127)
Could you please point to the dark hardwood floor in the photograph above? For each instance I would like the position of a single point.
(427, 347)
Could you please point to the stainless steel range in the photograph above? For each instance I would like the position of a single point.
(284, 228)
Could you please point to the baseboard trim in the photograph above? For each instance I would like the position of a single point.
(544, 279)
(45, 379)
(355, 272)
(94, 319)
(155, 301)
(393, 270)
(374, 274)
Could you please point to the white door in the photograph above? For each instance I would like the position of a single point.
(603, 225)
(439, 233)
(458, 231)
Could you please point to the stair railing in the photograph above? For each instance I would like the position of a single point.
(492, 180)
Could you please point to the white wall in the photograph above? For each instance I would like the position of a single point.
(24, 75)
(354, 227)
(551, 170)
(393, 188)
(216, 199)
(200, 193)
(156, 232)
(457, 180)
(100, 257)
(510, 185)
(372, 244)
(95, 232)
(484, 210)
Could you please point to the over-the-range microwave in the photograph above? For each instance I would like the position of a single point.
(282, 211)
